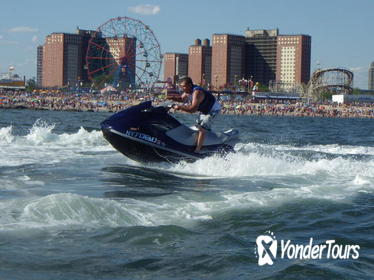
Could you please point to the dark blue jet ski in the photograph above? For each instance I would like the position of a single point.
(149, 134)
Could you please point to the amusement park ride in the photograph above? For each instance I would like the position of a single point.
(10, 80)
(124, 53)
(332, 80)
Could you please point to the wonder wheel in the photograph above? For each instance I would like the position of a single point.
(123, 54)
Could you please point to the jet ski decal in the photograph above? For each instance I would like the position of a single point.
(145, 137)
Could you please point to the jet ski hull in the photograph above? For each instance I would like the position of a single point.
(149, 134)
(138, 150)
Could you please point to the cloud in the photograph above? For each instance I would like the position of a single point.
(1, 37)
(146, 9)
(23, 29)
(356, 69)
(34, 39)
(360, 76)
(359, 69)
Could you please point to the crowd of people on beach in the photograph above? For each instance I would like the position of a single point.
(239, 105)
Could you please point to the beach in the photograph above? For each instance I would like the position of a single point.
(113, 102)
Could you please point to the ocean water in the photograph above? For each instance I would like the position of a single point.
(72, 207)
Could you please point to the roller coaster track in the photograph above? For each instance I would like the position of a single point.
(333, 80)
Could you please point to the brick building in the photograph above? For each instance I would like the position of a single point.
(63, 58)
(175, 66)
(293, 59)
(39, 66)
(371, 77)
(122, 57)
(261, 54)
(200, 62)
(227, 59)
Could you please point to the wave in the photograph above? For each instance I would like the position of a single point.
(334, 149)
(258, 175)
(73, 210)
(6, 135)
(41, 137)
(42, 144)
(265, 160)
(41, 134)
(66, 209)
(179, 208)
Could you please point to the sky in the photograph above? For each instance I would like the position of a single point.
(342, 31)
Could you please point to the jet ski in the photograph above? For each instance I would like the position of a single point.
(150, 134)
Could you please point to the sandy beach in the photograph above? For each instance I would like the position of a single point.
(116, 102)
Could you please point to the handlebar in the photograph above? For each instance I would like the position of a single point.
(159, 109)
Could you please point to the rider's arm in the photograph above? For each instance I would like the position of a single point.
(178, 97)
(175, 97)
(197, 97)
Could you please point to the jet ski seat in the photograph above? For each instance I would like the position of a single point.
(187, 135)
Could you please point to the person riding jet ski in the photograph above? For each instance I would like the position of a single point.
(150, 134)
(201, 101)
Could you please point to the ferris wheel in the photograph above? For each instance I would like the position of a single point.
(124, 53)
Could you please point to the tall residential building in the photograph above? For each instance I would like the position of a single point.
(293, 59)
(122, 52)
(200, 62)
(86, 37)
(39, 66)
(371, 76)
(64, 58)
(61, 60)
(175, 66)
(227, 59)
(261, 55)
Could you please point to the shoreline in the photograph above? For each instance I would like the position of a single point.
(231, 105)
(258, 109)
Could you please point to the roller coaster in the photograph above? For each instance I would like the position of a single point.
(330, 81)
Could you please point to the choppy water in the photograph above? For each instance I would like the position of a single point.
(71, 207)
